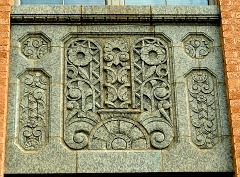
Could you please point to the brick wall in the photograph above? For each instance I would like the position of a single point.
(230, 13)
(4, 72)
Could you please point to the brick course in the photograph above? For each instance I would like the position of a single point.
(5, 6)
(230, 18)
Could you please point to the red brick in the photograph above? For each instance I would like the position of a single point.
(230, 53)
(236, 139)
(236, 132)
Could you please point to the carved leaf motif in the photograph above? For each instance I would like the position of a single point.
(88, 106)
(83, 73)
(34, 110)
(150, 72)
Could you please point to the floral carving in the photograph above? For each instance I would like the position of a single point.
(117, 74)
(153, 90)
(109, 104)
(35, 46)
(34, 100)
(202, 103)
(82, 91)
(197, 46)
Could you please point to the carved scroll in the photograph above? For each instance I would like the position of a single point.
(35, 45)
(117, 74)
(197, 46)
(152, 90)
(115, 102)
(203, 107)
(33, 108)
(82, 91)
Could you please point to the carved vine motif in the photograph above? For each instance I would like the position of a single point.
(117, 74)
(35, 46)
(202, 96)
(117, 124)
(152, 89)
(83, 91)
(34, 100)
(197, 46)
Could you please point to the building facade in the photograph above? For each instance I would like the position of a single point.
(198, 39)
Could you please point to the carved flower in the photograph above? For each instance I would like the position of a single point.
(123, 56)
(153, 54)
(75, 93)
(201, 98)
(161, 92)
(80, 56)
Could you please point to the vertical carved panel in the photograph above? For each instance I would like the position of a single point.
(82, 91)
(33, 109)
(117, 74)
(203, 107)
(152, 90)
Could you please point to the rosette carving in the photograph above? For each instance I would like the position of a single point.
(33, 116)
(197, 46)
(35, 45)
(203, 108)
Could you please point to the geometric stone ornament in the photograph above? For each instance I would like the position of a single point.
(34, 86)
(203, 107)
(197, 45)
(35, 45)
(114, 100)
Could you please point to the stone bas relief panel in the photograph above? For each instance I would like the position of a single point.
(197, 45)
(33, 109)
(118, 94)
(202, 98)
(35, 45)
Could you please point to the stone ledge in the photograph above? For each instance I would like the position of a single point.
(111, 18)
(114, 14)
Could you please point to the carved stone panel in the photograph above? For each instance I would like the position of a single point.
(126, 104)
(197, 45)
(203, 108)
(35, 45)
(33, 109)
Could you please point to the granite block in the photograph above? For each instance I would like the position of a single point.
(180, 9)
(119, 161)
(56, 115)
(214, 63)
(223, 110)
(182, 64)
(176, 37)
(19, 31)
(52, 158)
(182, 114)
(116, 9)
(56, 32)
(114, 29)
(12, 109)
(213, 32)
(186, 157)
(46, 9)
(52, 63)
(18, 64)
